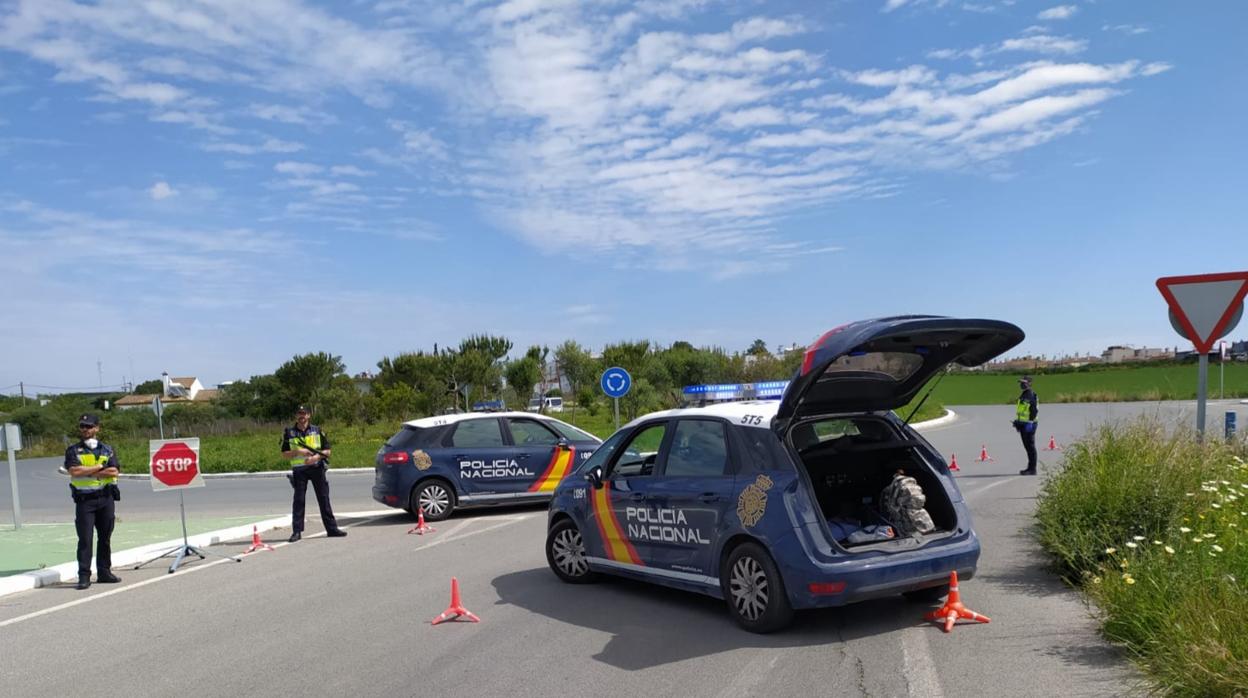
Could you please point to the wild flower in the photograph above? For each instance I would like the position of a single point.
(1217, 548)
(1198, 539)
(1210, 535)
(1110, 551)
(1096, 580)
(1137, 537)
(1132, 544)
(1156, 542)
(1184, 529)
(1169, 550)
(1215, 505)
(1130, 580)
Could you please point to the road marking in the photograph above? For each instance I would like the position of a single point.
(917, 664)
(509, 521)
(753, 675)
(985, 488)
(145, 582)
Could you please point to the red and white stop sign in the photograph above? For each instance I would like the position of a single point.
(175, 464)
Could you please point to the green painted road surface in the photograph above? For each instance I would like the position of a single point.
(41, 545)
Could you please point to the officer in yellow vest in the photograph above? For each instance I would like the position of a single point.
(93, 467)
(1025, 412)
(307, 449)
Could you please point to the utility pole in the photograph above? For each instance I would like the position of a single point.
(22, 385)
(99, 372)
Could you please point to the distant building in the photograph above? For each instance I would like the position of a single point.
(1118, 354)
(176, 391)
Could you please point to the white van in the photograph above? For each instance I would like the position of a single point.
(548, 404)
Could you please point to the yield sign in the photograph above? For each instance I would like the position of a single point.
(1205, 305)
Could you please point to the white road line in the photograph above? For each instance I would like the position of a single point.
(449, 539)
(145, 582)
(920, 670)
(989, 486)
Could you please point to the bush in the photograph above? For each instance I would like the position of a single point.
(1150, 523)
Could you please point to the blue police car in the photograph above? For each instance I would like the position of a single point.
(822, 498)
(444, 463)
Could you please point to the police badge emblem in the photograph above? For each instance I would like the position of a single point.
(421, 460)
(752, 503)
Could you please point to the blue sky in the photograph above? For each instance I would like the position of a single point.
(209, 187)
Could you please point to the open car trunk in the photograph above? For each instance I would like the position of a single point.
(850, 461)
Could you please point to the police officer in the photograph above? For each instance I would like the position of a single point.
(307, 448)
(93, 468)
(1025, 412)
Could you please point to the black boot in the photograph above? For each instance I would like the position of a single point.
(83, 583)
(294, 537)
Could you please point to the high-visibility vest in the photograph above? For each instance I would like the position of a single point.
(310, 440)
(1022, 412)
(88, 459)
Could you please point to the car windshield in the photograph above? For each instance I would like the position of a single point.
(603, 454)
(535, 403)
(570, 432)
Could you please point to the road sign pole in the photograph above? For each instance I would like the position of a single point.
(184, 459)
(1202, 390)
(17, 504)
(615, 400)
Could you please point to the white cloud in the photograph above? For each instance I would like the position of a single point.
(891, 5)
(302, 169)
(350, 171)
(1058, 12)
(161, 191)
(1033, 40)
(269, 145)
(1126, 28)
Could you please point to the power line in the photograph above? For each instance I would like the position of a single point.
(92, 388)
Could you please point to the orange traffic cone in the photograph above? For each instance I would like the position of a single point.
(1052, 444)
(256, 543)
(953, 608)
(953, 464)
(421, 528)
(983, 454)
(456, 610)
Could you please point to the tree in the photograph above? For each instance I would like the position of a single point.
(153, 386)
(758, 348)
(581, 371)
(306, 376)
(524, 373)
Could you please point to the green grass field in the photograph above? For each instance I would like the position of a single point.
(1177, 382)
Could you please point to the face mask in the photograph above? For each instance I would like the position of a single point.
(92, 443)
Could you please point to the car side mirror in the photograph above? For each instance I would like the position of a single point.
(594, 477)
(563, 444)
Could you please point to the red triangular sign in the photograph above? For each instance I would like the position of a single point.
(1205, 304)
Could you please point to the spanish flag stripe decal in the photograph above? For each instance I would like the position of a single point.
(558, 468)
(617, 545)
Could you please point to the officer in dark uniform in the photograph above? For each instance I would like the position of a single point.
(93, 468)
(307, 448)
(1025, 411)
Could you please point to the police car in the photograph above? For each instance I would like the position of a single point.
(789, 504)
(444, 463)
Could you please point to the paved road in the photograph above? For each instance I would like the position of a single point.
(45, 495)
(331, 617)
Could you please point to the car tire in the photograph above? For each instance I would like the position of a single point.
(566, 555)
(754, 591)
(437, 496)
(928, 595)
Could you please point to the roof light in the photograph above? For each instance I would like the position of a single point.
(723, 392)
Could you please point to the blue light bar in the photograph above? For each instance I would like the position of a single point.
(763, 390)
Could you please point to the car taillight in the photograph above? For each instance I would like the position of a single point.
(395, 458)
(826, 587)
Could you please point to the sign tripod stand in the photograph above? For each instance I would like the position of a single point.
(174, 464)
(186, 548)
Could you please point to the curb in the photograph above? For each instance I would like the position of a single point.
(265, 473)
(950, 417)
(68, 571)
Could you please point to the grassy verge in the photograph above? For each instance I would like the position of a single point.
(1099, 384)
(1151, 525)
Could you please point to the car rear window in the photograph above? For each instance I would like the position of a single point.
(890, 365)
(762, 448)
(406, 439)
(570, 432)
